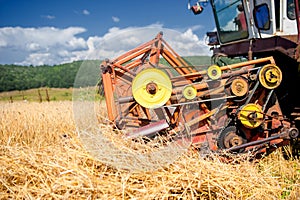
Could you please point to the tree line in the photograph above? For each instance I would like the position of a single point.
(75, 74)
(16, 77)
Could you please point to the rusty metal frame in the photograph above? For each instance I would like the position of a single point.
(125, 67)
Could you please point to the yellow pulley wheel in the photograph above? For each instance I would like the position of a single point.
(214, 72)
(151, 88)
(239, 87)
(251, 115)
(189, 92)
(270, 76)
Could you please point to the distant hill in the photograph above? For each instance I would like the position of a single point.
(15, 77)
(198, 60)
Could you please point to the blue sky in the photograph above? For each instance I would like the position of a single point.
(40, 32)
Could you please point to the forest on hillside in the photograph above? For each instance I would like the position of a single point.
(14, 77)
(75, 74)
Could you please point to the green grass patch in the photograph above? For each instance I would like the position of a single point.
(38, 95)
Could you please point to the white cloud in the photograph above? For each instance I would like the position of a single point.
(49, 45)
(85, 12)
(115, 19)
(48, 16)
(33, 46)
(196, 27)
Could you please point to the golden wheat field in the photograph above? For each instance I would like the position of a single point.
(42, 157)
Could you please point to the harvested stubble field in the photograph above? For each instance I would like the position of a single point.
(42, 157)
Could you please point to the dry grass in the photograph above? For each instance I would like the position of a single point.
(41, 157)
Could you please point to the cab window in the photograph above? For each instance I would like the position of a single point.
(291, 9)
(230, 20)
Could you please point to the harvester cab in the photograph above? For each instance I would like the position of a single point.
(247, 19)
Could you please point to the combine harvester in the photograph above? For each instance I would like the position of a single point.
(251, 105)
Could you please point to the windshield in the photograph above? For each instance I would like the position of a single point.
(230, 20)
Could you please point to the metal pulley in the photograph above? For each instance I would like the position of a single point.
(230, 137)
(189, 92)
(251, 115)
(214, 72)
(270, 76)
(239, 86)
(151, 88)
